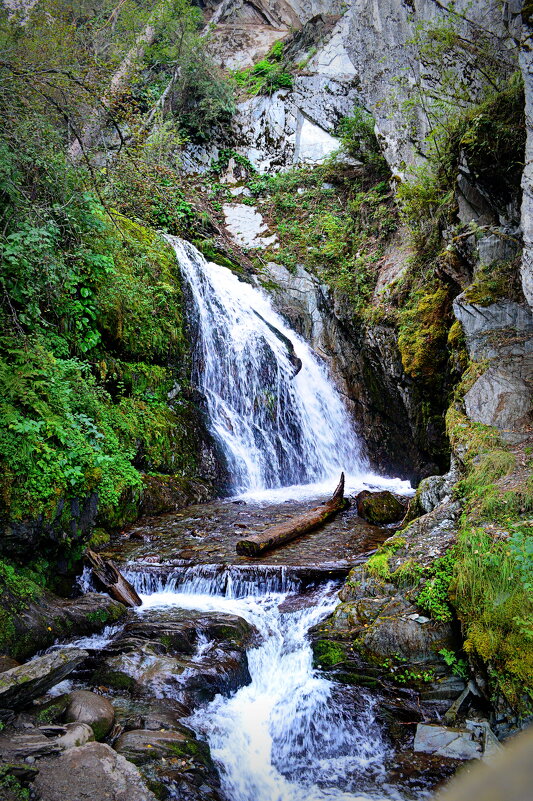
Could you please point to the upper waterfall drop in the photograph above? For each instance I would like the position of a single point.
(270, 401)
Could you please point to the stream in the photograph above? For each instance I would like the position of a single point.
(289, 735)
(277, 729)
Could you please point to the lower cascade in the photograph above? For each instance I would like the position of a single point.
(290, 734)
(271, 404)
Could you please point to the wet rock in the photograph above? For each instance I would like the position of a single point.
(20, 685)
(6, 663)
(94, 771)
(47, 618)
(173, 759)
(43, 740)
(394, 635)
(178, 631)
(446, 742)
(162, 493)
(433, 491)
(428, 537)
(94, 710)
(380, 507)
(141, 745)
(143, 666)
(73, 518)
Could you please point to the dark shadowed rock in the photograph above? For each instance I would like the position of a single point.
(47, 618)
(20, 685)
(93, 772)
(142, 745)
(95, 710)
(380, 507)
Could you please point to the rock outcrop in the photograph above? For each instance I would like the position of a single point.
(92, 771)
(20, 685)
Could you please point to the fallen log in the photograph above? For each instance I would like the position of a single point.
(284, 532)
(109, 576)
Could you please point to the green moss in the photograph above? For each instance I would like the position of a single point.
(115, 679)
(99, 538)
(494, 282)
(408, 574)
(328, 653)
(378, 565)
(194, 749)
(492, 582)
(423, 332)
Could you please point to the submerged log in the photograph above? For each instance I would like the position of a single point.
(284, 532)
(109, 576)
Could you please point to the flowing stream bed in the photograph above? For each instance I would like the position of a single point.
(289, 734)
(219, 649)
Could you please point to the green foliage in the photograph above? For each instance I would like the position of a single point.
(221, 163)
(333, 222)
(268, 75)
(10, 788)
(408, 574)
(93, 341)
(359, 140)
(459, 666)
(201, 98)
(433, 598)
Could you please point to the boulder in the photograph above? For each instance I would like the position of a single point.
(446, 742)
(94, 710)
(93, 772)
(6, 663)
(44, 740)
(380, 507)
(143, 667)
(20, 685)
(141, 745)
(43, 620)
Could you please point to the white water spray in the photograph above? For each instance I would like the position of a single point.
(278, 425)
(285, 736)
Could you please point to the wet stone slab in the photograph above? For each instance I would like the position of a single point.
(208, 533)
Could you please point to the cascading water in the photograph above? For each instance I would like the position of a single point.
(270, 402)
(286, 736)
(290, 734)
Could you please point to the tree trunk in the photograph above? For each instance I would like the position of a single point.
(274, 536)
(108, 575)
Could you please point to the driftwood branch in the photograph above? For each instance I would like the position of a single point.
(257, 544)
(109, 576)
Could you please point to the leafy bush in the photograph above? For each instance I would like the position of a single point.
(268, 75)
(433, 598)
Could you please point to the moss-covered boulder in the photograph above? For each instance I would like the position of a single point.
(380, 507)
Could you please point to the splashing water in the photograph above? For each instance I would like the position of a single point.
(271, 404)
(287, 736)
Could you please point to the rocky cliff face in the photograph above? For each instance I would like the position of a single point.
(366, 54)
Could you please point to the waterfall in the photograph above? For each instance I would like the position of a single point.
(271, 404)
(291, 734)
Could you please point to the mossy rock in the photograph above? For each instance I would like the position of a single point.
(327, 653)
(380, 507)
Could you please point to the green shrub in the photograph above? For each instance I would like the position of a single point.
(267, 76)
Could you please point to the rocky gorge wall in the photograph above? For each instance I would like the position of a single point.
(369, 54)
(436, 360)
